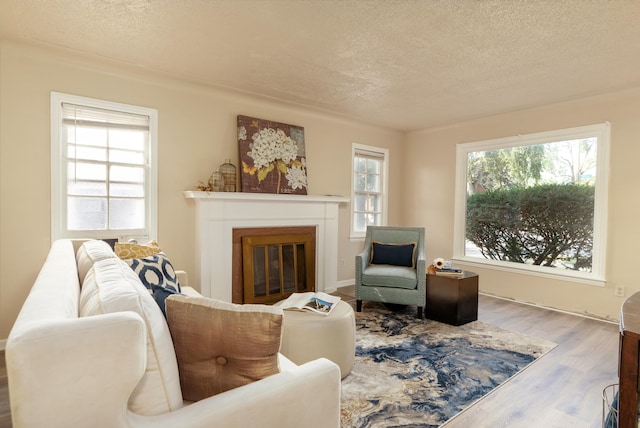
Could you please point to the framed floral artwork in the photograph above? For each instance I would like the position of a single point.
(272, 157)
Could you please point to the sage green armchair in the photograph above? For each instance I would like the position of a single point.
(392, 267)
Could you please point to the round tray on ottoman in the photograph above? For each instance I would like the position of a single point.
(308, 336)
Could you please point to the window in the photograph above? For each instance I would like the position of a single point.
(535, 203)
(103, 169)
(369, 188)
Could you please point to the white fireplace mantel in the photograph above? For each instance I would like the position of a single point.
(218, 213)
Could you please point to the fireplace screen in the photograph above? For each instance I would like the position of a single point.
(276, 266)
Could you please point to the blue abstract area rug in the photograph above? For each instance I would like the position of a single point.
(414, 373)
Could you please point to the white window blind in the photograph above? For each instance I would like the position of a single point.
(106, 185)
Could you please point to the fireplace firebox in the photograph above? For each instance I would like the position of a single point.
(286, 263)
(275, 266)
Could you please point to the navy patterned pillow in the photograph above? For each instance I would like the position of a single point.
(157, 274)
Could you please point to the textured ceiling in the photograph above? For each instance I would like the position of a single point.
(403, 64)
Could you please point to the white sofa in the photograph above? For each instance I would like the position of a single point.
(65, 370)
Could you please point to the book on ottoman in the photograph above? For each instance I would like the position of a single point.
(320, 303)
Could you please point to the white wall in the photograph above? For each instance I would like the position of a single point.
(197, 132)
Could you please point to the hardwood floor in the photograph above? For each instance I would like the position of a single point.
(562, 389)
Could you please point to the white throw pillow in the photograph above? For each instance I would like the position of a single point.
(89, 253)
(111, 286)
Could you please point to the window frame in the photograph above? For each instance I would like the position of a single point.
(384, 155)
(59, 228)
(597, 276)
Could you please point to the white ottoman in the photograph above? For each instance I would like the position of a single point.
(308, 336)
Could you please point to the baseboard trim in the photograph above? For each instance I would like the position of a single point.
(346, 282)
(551, 308)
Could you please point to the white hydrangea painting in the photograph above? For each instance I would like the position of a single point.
(272, 157)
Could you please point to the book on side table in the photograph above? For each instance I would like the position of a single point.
(320, 303)
(452, 272)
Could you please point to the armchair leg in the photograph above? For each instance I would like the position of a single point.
(419, 311)
(358, 305)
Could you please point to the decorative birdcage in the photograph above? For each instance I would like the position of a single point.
(228, 172)
(216, 182)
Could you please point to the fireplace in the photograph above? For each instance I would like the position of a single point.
(270, 263)
(219, 214)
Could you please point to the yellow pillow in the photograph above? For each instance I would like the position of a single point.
(136, 251)
(221, 346)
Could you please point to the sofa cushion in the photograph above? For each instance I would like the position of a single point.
(393, 254)
(157, 274)
(390, 276)
(111, 286)
(220, 345)
(90, 252)
(128, 250)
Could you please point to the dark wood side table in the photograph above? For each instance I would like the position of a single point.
(452, 300)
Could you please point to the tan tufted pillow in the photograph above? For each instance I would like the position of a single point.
(221, 346)
(136, 251)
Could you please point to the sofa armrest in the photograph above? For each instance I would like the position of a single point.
(183, 278)
(304, 396)
(75, 372)
(190, 292)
